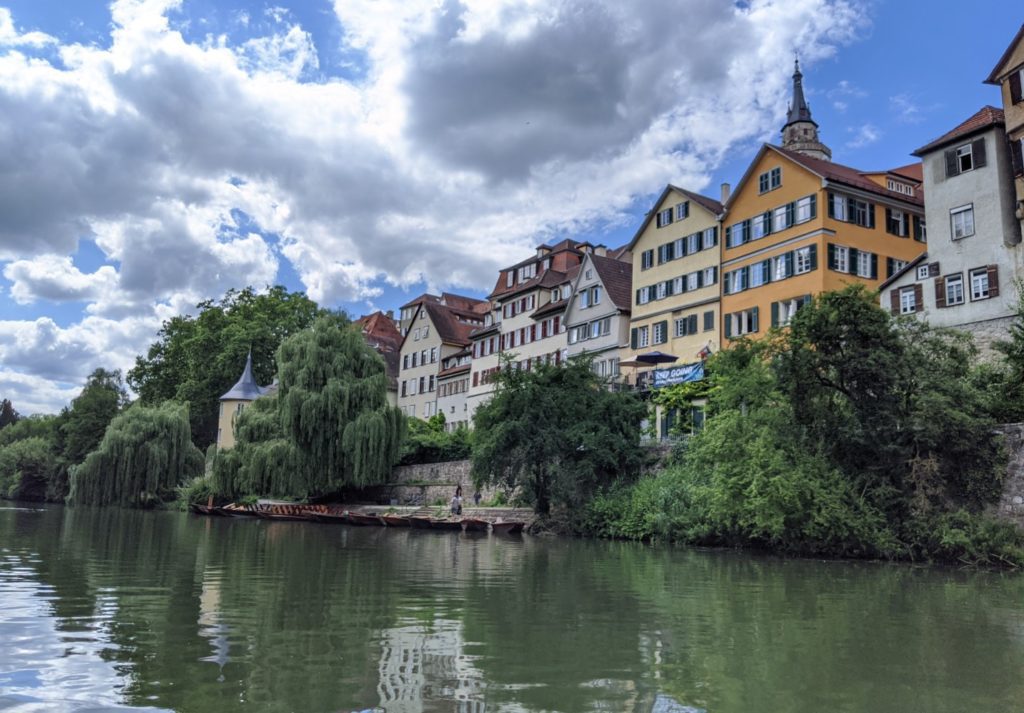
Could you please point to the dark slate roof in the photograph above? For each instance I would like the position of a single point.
(838, 173)
(617, 278)
(447, 324)
(550, 308)
(798, 110)
(246, 389)
(903, 271)
(982, 119)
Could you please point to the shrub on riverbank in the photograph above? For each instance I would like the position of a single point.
(428, 442)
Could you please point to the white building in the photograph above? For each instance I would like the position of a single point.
(597, 315)
(967, 278)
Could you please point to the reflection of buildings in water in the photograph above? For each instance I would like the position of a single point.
(210, 625)
(425, 663)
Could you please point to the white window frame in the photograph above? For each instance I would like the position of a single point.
(692, 281)
(864, 264)
(779, 268)
(801, 261)
(678, 285)
(656, 331)
(964, 158)
(680, 327)
(644, 295)
(682, 210)
(779, 219)
(757, 275)
(642, 337)
(661, 290)
(664, 217)
(964, 215)
(758, 227)
(842, 258)
(839, 207)
(923, 272)
(908, 300)
(955, 284)
(980, 288)
(710, 276)
(584, 299)
(802, 210)
(595, 295)
(708, 240)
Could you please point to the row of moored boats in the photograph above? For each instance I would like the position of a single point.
(340, 515)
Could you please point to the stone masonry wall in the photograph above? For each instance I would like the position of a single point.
(429, 483)
(1011, 505)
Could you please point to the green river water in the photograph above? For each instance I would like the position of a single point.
(121, 610)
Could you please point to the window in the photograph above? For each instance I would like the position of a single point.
(837, 206)
(710, 238)
(862, 213)
(736, 281)
(693, 281)
(965, 158)
(433, 355)
(664, 217)
(426, 331)
(709, 320)
(908, 300)
(781, 266)
(920, 232)
(781, 218)
(760, 226)
(666, 253)
(647, 259)
(686, 326)
(1016, 87)
(556, 294)
(710, 276)
(980, 287)
(678, 285)
(416, 334)
(588, 275)
(899, 187)
(693, 243)
(682, 210)
(584, 299)
(896, 222)
(405, 361)
(806, 209)
(864, 264)
(737, 234)
(841, 259)
(784, 311)
(595, 295)
(893, 265)
(759, 273)
(662, 290)
(954, 290)
(923, 272)
(595, 330)
(962, 220)
(660, 332)
(643, 295)
(739, 323)
(804, 260)
(769, 180)
(642, 337)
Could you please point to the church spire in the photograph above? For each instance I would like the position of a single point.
(798, 109)
(800, 132)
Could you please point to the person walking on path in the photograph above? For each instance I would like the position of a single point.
(457, 501)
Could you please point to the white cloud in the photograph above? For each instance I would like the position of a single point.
(10, 37)
(477, 130)
(864, 135)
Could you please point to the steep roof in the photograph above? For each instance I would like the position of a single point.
(246, 388)
(426, 296)
(447, 324)
(913, 171)
(903, 271)
(617, 278)
(708, 204)
(982, 119)
(838, 173)
(380, 331)
(798, 110)
(995, 76)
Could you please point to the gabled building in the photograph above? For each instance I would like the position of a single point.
(597, 313)
(453, 388)
(799, 224)
(675, 277)
(436, 330)
(381, 333)
(527, 307)
(1008, 75)
(974, 256)
(237, 398)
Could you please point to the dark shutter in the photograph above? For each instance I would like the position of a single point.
(851, 261)
(890, 265)
(993, 281)
(814, 257)
(728, 234)
(888, 221)
(933, 269)
(814, 206)
(692, 324)
(789, 264)
(831, 255)
(1017, 156)
(978, 152)
(831, 206)
(871, 215)
(664, 331)
(918, 229)
(767, 220)
(727, 318)
(952, 169)
(918, 297)
(632, 338)
(638, 296)
(753, 319)
(775, 314)
(700, 279)
(790, 213)
(709, 320)
(894, 301)
(1016, 95)
(874, 267)
(940, 293)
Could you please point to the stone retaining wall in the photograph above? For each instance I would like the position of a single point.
(427, 484)
(1011, 505)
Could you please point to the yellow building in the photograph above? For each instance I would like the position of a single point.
(799, 224)
(1008, 74)
(243, 393)
(676, 278)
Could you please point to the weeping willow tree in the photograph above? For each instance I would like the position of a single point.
(145, 453)
(329, 427)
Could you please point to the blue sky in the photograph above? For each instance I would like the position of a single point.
(157, 152)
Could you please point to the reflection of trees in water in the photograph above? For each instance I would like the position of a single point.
(224, 615)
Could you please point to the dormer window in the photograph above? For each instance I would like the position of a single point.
(899, 187)
(556, 294)
(510, 278)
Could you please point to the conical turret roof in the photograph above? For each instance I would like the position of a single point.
(246, 389)
(798, 110)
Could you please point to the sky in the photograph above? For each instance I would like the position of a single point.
(156, 153)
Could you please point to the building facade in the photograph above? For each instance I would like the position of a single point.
(675, 278)
(237, 398)
(597, 314)
(967, 279)
(453, 389)
(798, 224)
(1008, 75)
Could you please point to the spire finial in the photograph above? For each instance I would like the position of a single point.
(796, 65)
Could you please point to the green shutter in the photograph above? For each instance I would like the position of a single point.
(831, 256)
(814, 257)
(692, 324)
(814, 206)
(789, 264)
(831, 205)
(890, 267)
(728, 234)
(790, 213)
(851, 261)
(871, 215)
(709, 320)
(775, 314)
(632, 338)
(727, 318)
(766, 271)
(874, 266)
(753, 319)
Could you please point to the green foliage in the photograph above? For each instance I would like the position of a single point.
(145, 454)
(329, 426)
(197, 491)
(428, 442)
(30, 427)
(556, 433)
(197, 359)
(27, 469)
(1005, 381)
(8, 416)
(84, 422)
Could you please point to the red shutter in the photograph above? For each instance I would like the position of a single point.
(918, 297)
(940, 293)
(993, 280)
(556, 325)
(476, 378)
(533, 332)
(894, 300)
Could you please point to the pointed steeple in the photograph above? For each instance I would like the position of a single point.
(246, 389)
(800, 132)
(798, 109)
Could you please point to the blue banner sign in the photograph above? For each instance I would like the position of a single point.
(678, 374)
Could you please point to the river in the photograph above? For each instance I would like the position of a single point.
(111, 609)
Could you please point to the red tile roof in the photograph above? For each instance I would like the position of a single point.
(987, 116)
(617, 278)
(838, 173)
(449, 327)
(913, 171)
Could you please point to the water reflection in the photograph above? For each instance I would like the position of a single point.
(170, 611)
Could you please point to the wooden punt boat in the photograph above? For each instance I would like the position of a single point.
(507, 528)
(396, 520)
(359, 518)
(473, 524)
(199, 509)
(337, 518)
(283, 512)
(233, 510)
(419, 523)
(445, 524)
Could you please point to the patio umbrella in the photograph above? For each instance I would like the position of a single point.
(656, 358)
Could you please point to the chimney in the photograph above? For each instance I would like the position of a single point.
(600, 251)
(726, 190)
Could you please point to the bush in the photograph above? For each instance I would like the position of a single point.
(27, 468)
(428, 442)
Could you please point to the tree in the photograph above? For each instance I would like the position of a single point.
(556, 433)
(328, 427)
(86, 419)
(197, 359)
(8, 415)
(27, 467)
(427, 441)
(145, 454)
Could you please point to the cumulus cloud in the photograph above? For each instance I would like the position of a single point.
(864, 135)
(477, 130)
